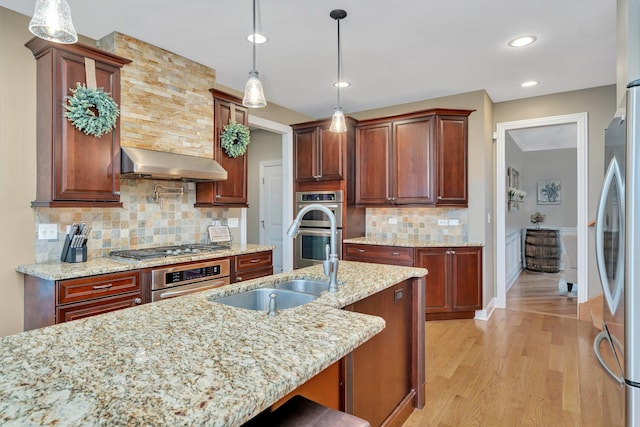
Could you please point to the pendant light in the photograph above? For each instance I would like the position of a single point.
(338, 123)
(253, 92)
(52, 21)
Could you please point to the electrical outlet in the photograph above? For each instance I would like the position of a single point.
(454, 222)
(47, 231)
(233, 222)
(443, 222)
(393, 220)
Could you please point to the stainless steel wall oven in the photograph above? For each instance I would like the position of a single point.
(314, 234)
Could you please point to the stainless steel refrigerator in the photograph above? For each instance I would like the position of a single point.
(617, 347)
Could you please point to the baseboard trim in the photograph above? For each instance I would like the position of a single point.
(402, 411)
(486, 313)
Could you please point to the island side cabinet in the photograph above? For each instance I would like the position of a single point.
(47, 302)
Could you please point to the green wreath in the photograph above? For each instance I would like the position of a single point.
(234, 139)
(81, 106)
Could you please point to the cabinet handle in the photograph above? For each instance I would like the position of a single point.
(439, 197)
(253, 261)
(138, 300)
(116, 193)
(98, 287)
(218, 196)
(361, 250)
(395, 253)
(238, 278)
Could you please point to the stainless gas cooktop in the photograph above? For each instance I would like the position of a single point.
(167, 251)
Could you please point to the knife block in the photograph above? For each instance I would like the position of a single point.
(76, 254)
(73, 254)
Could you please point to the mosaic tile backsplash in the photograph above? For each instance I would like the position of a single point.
(418, 223)
(142, 222)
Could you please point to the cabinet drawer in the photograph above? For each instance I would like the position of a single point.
(254, 274)
(380, 254)
(86, 288)
(251, 261)
(76, 311)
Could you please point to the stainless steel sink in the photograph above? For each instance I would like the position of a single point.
(312, 287)
(258, 299)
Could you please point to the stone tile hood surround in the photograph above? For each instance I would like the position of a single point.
(139, 162)
(166, 118)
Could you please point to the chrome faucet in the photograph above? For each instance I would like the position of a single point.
(330, 264)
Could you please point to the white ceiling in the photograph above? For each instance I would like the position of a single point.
(393, 52)
(540, 138)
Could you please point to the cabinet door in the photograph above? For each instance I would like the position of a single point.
(234, 189)
(331, 154)
(466, 278)
(85, 168)
(372, 164)
(437, 292)
(382, 365)
(452, 161)
(413, 160)
(305, 154)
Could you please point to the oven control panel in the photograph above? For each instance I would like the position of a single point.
(193, 273)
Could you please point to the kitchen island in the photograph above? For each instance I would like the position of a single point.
(188, 360)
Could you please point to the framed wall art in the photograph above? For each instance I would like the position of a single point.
(549, 192)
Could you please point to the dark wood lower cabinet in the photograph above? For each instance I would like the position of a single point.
(454, 283)
(47, 302)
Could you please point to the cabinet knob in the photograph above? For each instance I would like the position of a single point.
(393, 199)
(238, 278)
(138, 300)
(453, 252)
(218, 196)
(448, 252)
(439, 197)
(116, 193)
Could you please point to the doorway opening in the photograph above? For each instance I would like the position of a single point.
(503, 276)
(284, 251)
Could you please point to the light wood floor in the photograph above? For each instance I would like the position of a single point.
(516, 369)
(539, 293)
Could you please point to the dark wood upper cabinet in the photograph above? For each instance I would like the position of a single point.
(320, 155)
(74, 169)
(233, 191)
(413, 159)
(452, 157)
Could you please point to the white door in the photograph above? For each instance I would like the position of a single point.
(271, 203)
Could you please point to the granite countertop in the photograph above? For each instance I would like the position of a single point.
(65, 270)
(185, 361)
(410, 243)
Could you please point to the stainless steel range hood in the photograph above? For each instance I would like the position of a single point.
(143, 163)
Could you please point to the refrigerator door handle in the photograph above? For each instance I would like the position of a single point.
(602, 336)
(612, 296)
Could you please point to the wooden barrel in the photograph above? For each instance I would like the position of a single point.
(542, 250)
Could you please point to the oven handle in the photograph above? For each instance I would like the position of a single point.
(205, 285)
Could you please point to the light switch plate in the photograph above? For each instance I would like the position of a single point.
(393, 220)
(443, 222)
(47, 231)
(233, 223)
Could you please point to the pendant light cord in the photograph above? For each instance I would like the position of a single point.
(339, 62)
(254, 35)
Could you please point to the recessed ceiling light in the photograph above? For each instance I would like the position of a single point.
(260, 39)
(342, 83)
(529, 83)
(522, 41)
